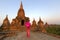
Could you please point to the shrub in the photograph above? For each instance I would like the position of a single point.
(53, 30)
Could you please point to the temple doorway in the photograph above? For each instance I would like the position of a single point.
(22, 22)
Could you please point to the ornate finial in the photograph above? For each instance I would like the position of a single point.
(21, 6)
(6, 16)
(40, 18)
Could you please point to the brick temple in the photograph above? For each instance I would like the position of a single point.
(17, 23)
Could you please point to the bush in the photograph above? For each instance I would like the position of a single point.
(53, 30)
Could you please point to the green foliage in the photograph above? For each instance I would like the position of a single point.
(53, 30)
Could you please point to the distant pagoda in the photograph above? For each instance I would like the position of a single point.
(34, 25)
(6, 24)
(46, 25)
(41, 26)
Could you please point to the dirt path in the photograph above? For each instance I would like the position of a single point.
(33, 36)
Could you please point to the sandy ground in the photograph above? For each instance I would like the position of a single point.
(33, 36)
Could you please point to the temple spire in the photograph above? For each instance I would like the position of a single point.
(6, 16)
(40, 21)
(21, 13)
(39, 18)
(21, 6)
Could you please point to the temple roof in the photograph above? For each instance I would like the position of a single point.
(21, 13)
(33, 22)
(40, 21)
(6, 20)
(6, 17)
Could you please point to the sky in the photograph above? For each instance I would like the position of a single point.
(47, 10)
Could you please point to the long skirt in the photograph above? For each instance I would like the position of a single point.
(28, 32)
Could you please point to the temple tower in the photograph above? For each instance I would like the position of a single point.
(18, 22)
(6, 24)
(41, 26)
(34, 25)
(21, 13)
(46, 24)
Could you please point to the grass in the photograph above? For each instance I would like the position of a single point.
(53, 29)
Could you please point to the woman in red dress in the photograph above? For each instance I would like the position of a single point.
(27, 24)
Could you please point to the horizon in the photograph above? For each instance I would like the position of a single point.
(47, 10)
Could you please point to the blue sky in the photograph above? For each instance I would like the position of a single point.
(47, 10)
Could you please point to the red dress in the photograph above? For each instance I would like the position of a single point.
(27, 24)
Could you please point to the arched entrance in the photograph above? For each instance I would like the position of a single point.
(22, 22)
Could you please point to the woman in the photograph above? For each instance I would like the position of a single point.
(27, 24)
